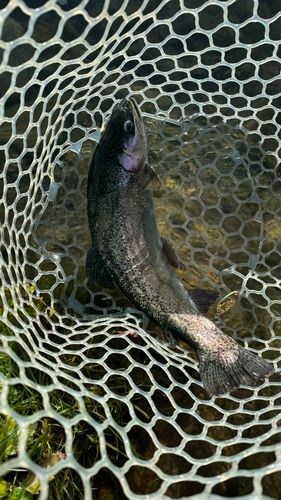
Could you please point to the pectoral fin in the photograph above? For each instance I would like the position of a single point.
(96, 270)
(151, 180)
(170, 253)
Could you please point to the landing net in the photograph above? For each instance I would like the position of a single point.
(206, 75)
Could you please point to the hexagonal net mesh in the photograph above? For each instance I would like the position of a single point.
(206, 75)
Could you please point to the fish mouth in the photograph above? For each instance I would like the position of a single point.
(128, 104)
(135, 107)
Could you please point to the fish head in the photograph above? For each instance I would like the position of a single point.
(124, 138)
(134, 155)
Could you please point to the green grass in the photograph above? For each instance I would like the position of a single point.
(46, 438)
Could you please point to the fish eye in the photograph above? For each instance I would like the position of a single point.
(129, 127)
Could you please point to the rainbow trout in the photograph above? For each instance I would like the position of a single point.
(127, 249)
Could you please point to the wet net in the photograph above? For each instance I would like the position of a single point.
(206, 75)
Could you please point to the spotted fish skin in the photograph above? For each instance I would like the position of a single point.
(128, 250)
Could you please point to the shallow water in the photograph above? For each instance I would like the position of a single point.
(216, 207)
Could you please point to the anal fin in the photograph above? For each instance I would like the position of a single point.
(202, 299)
(96, 270)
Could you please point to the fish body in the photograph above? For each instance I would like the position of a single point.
(127, 249)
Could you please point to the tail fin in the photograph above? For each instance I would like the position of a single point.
(225, 370)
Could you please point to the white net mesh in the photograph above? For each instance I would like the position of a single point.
(206, 75)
